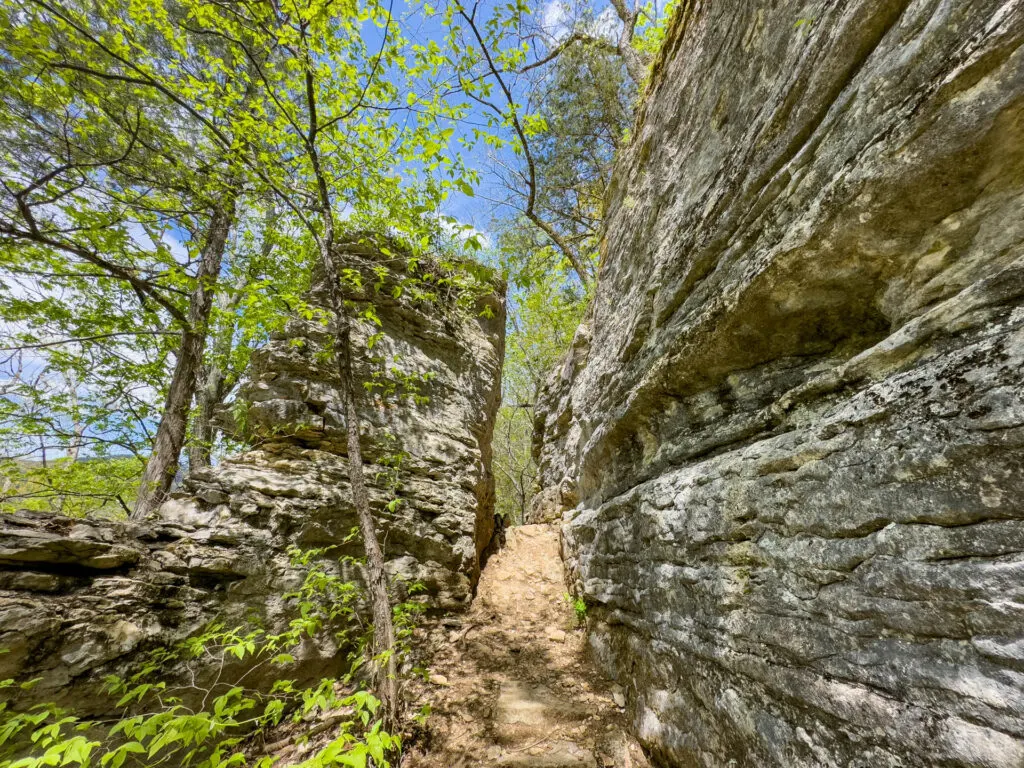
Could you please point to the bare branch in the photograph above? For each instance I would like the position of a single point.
(531, 170)
(44, 344)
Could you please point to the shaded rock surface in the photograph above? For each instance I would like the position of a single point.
(788, 442)
(80, 599)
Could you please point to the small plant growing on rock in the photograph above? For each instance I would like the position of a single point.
(579, 609)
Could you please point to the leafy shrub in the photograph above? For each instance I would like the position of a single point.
(579, 608)
(162, 723)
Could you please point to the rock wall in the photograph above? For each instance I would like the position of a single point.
(788, 441)
(81, 599)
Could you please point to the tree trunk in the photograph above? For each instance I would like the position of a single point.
(384, 666)
(203, 433)
(636, 65)
(215, 383)
(385, 670)
(75, 446)
(170, 435)
(77, 427)
(218, 382)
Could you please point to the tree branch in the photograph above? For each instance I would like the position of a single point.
(530, 212)
(44, 344)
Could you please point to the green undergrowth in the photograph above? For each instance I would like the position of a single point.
(207, 702)
(579, 610)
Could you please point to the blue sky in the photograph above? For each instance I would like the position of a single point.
(478, 210)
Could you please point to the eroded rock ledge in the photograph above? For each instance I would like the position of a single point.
(81, 599)
(789, 439)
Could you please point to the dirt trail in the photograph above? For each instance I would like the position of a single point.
(510, 682)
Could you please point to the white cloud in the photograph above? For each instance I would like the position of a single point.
(607, 25)
(461, 232)
(558, 17)
(554, 19)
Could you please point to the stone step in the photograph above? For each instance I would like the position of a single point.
(557, 754)
(522, 704)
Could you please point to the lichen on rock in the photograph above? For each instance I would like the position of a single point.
(788, 444)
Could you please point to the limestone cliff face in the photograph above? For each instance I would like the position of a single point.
(80, 599)
(434, 381)
(789, 439)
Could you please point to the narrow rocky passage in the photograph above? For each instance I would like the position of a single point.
(510, 682)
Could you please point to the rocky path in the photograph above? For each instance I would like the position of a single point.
(510, 682)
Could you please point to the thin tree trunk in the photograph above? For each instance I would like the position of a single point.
(215, 385)
(75, 446)
(636, 65)
(217, 382)
(385, 674)
(77, 428)
(203, 433)
(170, 435)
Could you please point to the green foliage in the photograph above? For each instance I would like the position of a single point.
(586, 101)
(542, 317)
(173, 714)
(127, 123)
(214, 737)
(650, 36)
(390, 384)
(103, 197)
(574, 113)
(579, 609)
(94, 487)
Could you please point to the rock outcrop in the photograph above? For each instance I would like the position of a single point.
(80, 599)
(788, 441)
(433, 379)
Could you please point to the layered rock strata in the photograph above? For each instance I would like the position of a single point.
(788, 441)
(80, 599)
